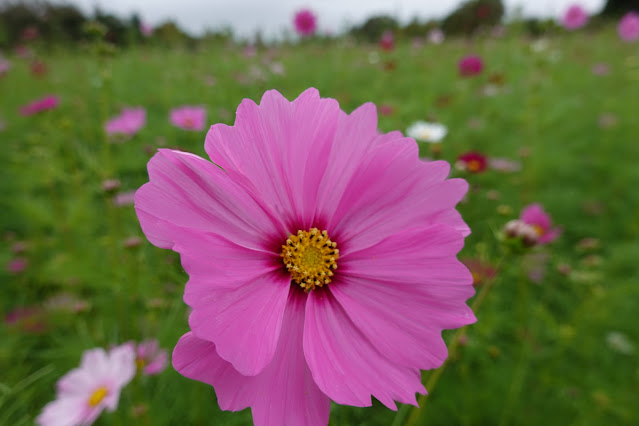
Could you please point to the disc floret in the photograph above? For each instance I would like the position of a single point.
(311, 257)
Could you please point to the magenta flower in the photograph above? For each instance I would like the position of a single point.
(17, 265)
(128, 123)
(305, 23)
(628, 28)
(321, 255)
(40, 105)
(470, 66)
(188, 117)
(387, 41)
(536, 216)
(150, 358)
(574, 18)
(84, 392)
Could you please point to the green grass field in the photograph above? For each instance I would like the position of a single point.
(540, 353)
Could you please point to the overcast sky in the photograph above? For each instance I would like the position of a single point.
(273, 17)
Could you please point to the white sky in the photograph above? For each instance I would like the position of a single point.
(273, 17)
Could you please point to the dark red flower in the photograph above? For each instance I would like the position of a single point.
(472, 161)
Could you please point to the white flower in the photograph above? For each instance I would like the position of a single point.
(423, 131)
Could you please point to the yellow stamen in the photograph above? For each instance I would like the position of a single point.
(98, 395)
(140, 363)
(310, 257)
(474, 165)
(539, 230)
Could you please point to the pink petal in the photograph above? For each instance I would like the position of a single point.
(190, 192)
(280, 149)
(346, 365)
(244, 321)
(534, 214)
(284, 393)
(66, 411)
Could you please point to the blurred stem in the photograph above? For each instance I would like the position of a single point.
(417, 412)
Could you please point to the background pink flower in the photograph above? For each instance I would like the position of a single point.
(574, 18)
(39, 105)
(150, 358)
(305, 22)
(536, 216)
(83, 393)
(145, 29)
(470, 65)
(387, 41)
(247, 225)
(5, 66)
(129, 122)
(628, 28)
(188, 117)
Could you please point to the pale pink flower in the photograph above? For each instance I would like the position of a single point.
(124, 198)
(145, 29)
(188, 117)
(504, 165)
(294, 190)
(128, 123)
(600, 69)
(470, 66)
(84, 392)
(5, 66)
(39, 105)
(23, 52)
(436, 36)
(536, 216)
(110, 185)
(628, 28)
(305, 23)
(150, 358)
(574, 18)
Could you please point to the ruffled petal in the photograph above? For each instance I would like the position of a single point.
(345, 364)
(190, 192)
(284, 393)
(280, 149)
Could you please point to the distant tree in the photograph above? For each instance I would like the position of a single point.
(373, 28)
(473, 15)
(616, 8)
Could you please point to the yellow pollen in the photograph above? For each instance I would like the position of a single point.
(140, 363)
(98, 395)
(311, 257)
(474, 165)
(538, 229)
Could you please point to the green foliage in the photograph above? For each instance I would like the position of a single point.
(617, 8)
(473, 15)
(374, 27)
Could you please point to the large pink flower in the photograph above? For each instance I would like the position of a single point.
(321, 255)
(129, 122)
(574, 18)
(536, 216)
(628, 28)
(305, 22)
(83, 393)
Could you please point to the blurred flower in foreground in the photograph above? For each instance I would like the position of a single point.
(628, 28)
(536, 216)
(83, 393)
(305, 23)
(145, 29)
(574, 18)
(150, 358)
(39, 105)
(436, 36)
(387, 41)
(473, 162)
(481, 271)
(310, 284)
(619, 342)
(188, 117)
(470, 66)
(5, 66)
(423, 131)
(128, 123)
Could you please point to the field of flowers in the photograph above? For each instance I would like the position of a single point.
(546, 127)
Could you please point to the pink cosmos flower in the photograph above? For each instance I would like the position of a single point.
(145, 29)
(188, 117)
(17, 265)
(40, 105)
(574, 18)
(321, 255)
(628, 28)
(305, 23)
(129, 122)
(436, 36)
(472, 161)
(387, 41)
(150, 358)
(84, 392)
(470, 66)
(5, 66)
(124, 198)
(536, 216)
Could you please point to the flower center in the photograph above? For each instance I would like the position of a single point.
(539, 230)
(98, 395)
(474, 165)
(188, 122)
(310, 257)
(140, 363)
